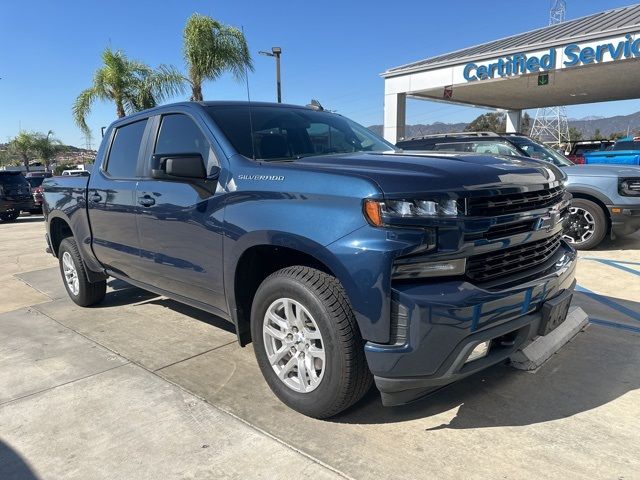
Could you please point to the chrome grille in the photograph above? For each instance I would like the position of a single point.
(513, 202)
(488, 266)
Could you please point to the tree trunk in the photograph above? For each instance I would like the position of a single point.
(196, 92)
(119, 109)
(25, 161)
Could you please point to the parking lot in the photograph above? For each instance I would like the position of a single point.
(143, 387)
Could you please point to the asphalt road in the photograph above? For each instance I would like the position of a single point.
(143, 387)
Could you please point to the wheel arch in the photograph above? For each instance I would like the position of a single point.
(59, 227)
(256, 257)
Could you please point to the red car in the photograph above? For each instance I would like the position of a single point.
(35, 180)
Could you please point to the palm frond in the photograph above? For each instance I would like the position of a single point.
(211, 48)
(130, 84)
(166, 81)
(82, 107)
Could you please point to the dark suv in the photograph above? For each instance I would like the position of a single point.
(15, 195)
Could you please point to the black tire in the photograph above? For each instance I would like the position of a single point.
(599, 228)
(88, 293)
(346, 377)
(9, 216)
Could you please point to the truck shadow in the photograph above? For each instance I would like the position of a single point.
(597, 367)
(13, 466)
(628, 242)
(194, 313)
(121, 293)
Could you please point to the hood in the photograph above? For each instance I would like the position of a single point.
(604, 170)
(399, 173)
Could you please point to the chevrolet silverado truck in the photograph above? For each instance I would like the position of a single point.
(625, 151)
(606, 198)
(344, 260)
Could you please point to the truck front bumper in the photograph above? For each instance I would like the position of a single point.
(625, 219)
(441, 323)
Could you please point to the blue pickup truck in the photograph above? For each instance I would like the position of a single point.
(343, 260)
(625, 151)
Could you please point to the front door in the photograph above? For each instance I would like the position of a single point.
(181, 221)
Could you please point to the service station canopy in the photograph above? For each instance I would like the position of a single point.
(587, 60)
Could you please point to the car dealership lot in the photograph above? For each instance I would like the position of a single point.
(143, 387)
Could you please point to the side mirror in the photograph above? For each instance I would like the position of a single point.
(178, 166)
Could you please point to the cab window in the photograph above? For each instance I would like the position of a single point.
(179, 134)
(123, 155)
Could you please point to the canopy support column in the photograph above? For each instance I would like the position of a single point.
(395, 116)
(514, 120)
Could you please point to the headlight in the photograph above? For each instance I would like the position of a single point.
(375, 210)
(629, 187)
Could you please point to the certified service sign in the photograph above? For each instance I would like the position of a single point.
(574, 54)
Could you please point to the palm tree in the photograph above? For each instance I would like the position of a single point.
(47, 146)
(130, 84)
(23, 145)
(211, 48)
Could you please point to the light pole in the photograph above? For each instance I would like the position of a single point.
(276, 52)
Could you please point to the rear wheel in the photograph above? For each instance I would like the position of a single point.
(9, 216)
(307, 342)
(74, 275)
(587, 224)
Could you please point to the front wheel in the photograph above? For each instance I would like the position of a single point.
(80, 289)
(586, 225)
(307, 342)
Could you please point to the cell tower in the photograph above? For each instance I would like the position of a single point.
(88, 140)
(550, 124)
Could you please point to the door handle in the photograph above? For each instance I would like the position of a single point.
(146, 201)
(95, 198)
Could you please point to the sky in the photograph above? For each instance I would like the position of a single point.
(333, 51)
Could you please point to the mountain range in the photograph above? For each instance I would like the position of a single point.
(587, 126)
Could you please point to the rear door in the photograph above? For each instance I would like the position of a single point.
(181, 220)
(112, 204)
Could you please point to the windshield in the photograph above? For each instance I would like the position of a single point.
(540, 152)
(35, 181)
(12, 178)
(285, 133)
(626, 145)
(487, 147)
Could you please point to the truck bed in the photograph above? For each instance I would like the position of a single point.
(619, 157)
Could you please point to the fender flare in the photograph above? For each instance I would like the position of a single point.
(276, 239)
(95, 271)
(585, 190)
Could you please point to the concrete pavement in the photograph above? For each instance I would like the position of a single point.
(143, 387)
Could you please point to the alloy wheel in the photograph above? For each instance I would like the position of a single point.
(580, 226)
(294, 345)
(70, 273)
